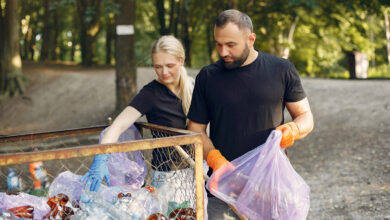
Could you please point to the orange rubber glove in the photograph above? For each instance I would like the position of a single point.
(217, 162)
(290, 133)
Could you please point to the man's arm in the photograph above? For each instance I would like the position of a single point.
(302, 116)
(301, 125)
(207, 143)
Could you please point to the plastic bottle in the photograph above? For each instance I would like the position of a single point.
(39, 174)
(14, 182)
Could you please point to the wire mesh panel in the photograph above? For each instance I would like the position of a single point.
(163, 165)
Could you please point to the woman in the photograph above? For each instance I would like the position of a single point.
(164, 101)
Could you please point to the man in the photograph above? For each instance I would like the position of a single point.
(243, 96)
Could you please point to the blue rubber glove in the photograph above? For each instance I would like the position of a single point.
(98, 171)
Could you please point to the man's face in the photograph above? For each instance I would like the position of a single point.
(232, 44)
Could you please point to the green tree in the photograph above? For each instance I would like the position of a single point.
(11, 75)
(88, 19)
(126, 81)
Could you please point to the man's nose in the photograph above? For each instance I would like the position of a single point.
(224, 51)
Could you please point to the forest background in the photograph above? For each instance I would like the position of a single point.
(74, 70)
(335, 39)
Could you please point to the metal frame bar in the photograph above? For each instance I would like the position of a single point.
(183, 137)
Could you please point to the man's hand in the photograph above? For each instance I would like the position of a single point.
(290, 133)
(215, 160)
(220, 166)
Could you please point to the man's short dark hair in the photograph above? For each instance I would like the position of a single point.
(242, 20)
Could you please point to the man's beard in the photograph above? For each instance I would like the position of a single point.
(237, 62)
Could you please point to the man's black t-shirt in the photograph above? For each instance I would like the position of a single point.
(245, 104)
(161, 107)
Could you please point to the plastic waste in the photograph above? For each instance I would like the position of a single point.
(99, 208)
(5, 214)
(26, 211)
(60, 207)
(39, 174)
(264, 185)
(157, 216)
(14, 181)
(70, 184)
(23, 199)
(183, 213)
(127, 168)
(67, 183)
(144, 202)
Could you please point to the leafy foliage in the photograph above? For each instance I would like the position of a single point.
(313, 34)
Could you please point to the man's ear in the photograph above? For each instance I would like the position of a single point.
(252, 39)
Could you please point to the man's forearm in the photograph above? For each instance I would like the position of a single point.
(207, 145)
(305, 124)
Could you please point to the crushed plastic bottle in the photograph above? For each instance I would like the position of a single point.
(157, 216)
(14, 181)
(6, 214)
(98, 208)
(145, 202)
(60, 207)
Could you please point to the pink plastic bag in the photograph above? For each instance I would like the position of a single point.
(263, 184)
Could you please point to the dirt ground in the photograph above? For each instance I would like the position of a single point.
(345, 160)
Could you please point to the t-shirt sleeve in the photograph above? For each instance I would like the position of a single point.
(294, 91)
(198, 109)
(143, 101)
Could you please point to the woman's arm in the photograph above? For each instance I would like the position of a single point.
(124, 120)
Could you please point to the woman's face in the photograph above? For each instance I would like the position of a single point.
(167, 67)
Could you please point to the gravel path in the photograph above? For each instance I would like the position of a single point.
(345, 160)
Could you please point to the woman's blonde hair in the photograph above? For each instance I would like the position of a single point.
(171, 45)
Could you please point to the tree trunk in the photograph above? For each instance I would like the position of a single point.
(351, 64)
(27, 43)
(126, 81)
(372, 39)
(286, 50)
(45, 33)
(161, 17)
(172, 17)
(12, 79)
(73, 48)
(2, 63)
(89, 29)
(387, 37)
(32, 44)
(187, 42)
(210, 42)
(109, 37)
(53, 41)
